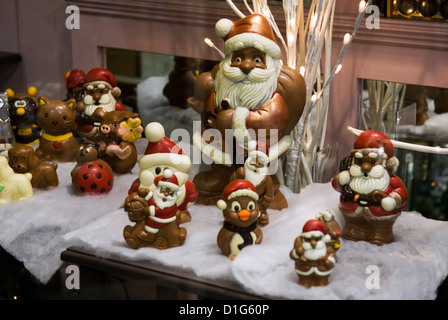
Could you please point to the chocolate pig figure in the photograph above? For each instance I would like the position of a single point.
(240, 210)
(118, 131)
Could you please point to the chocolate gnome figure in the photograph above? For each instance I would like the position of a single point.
(156, 215)
(314, 257)
(251, 93)
(240, 210)
(372, 196)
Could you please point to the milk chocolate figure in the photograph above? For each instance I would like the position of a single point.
(156, 215)
(57, 120)
(240, 210)
(372, 196)
(22, 159)
(314, 258)
(249, 90)
(23, 114)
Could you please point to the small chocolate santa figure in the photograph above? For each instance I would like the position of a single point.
(99, 90)
(372, 196)
(240, 210)
(256, 170)
(156, 215)
(313, 255)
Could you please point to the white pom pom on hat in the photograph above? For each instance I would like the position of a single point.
(154, 132)
(223, 27)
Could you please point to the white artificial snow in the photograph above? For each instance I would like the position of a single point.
(410, 268)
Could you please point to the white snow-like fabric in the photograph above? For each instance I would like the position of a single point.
(410, 268)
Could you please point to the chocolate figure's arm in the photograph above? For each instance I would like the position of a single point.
(292, 87)
(204, 87)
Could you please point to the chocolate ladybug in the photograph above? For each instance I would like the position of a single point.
(91, 175)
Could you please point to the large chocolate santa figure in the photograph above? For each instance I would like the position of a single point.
(249, 89)
(372, 196)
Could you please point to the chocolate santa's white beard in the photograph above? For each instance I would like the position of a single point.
(250, 91)
(159, 197)
(107, 102)
(320, 250)
(254, 174)
(377, 179)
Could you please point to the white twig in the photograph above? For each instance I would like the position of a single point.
(407, 145)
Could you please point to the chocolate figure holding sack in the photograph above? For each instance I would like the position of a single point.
(156, 215)
(372, 196)
(314, 257)
(248, 92)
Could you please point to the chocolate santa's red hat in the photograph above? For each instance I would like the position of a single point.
(161, 151)
(376, 140)
(251, 31)
(371, 139)
(74, 78)
(315, 228)
(237, 188)
(100, 74)
(168, 179)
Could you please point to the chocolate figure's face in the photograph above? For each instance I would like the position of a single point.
(368, 172)
(56, 117)
(246, 78)
(241, 211)
(247, 59)
(23, 110)
(18, 158)
(98, 94)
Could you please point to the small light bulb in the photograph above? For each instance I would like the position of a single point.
(338, 68)
(347, 38)
(362, 6)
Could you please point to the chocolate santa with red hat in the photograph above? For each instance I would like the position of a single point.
(240, 210)
(162, 153)
(250, 90)
(256, 170)
(99, 91)
(372, 196)
(313, 255)
(161, 229)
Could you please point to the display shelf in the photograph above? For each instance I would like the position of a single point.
(164, 277)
